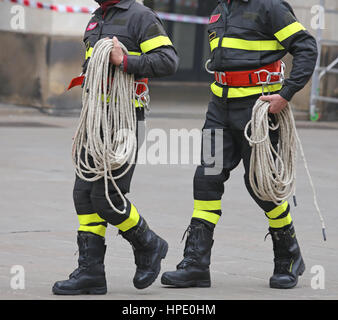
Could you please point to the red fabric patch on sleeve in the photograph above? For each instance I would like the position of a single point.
(214, 18)
(92, 26)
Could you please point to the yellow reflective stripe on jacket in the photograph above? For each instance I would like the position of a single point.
(154, 43)
(134, 53)
(205, 215)
(207, 205)
(131, 221)
(89, 53)
(99, 230)
(89, 218)
(280, 223)
(243, 91)
(288, 31)
(276, 212)
(250, 45)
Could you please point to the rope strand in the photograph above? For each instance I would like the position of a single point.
(272, 173)
(107, 127)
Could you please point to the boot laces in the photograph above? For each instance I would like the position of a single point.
(190, 252)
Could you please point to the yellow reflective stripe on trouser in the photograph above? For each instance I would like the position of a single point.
(280, 223)
(89, 53)
(243, 91)
(276, 212)
(86, 219)
(154, 43)
(288, 31)
(206, 215)
(207, 205)
(89, 218)
(131, 221)
(250, 45)
(99, 229)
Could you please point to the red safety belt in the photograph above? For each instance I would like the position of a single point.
(140, 87)
(249, 78)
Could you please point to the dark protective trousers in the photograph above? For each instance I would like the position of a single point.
(228, 117)
(92, 207)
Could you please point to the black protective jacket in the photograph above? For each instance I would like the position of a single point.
(151, 53)
(256, 33)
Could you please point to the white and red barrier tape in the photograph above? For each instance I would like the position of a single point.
(80, 9)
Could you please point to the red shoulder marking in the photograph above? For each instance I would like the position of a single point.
(214, 18)
(91, 26)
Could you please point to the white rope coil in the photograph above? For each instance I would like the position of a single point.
(272, 172)
(107, 127)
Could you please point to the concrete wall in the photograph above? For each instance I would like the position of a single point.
(39, 60)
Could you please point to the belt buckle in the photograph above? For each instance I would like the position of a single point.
(269, 76)
(219, 76)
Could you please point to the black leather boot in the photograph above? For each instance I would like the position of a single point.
(288, 260)
(149, 249)
(89, 277)
(193, 270)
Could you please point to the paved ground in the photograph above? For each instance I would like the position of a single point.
(38, 222)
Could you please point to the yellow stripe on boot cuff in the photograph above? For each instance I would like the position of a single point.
(276, 212)
(280, 223)
(131, 221)
(207, 205)
(89, 218)
(205, 215)
(98, 229)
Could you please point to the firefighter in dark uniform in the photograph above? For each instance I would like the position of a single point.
(246, 37)
(150, 54)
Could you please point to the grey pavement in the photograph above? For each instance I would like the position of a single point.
(38, 220)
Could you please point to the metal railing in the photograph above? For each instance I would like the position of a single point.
(320, 72)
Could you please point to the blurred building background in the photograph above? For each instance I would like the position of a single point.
(41, 55)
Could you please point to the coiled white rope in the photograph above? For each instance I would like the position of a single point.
(272, 172)
(107, 127)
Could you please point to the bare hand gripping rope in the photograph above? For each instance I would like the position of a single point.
(273, 173)
(106, 133)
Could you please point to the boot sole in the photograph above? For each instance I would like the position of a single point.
(162, 255)
(276, 285)
(93, 291)
(186, 284)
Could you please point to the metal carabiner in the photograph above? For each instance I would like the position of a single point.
(144, 97)
(206, 67)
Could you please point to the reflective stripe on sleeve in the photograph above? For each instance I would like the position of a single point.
(154, 43)
(288, 31)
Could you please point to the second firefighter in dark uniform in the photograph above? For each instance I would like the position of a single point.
(150, 54)
(245, 37)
